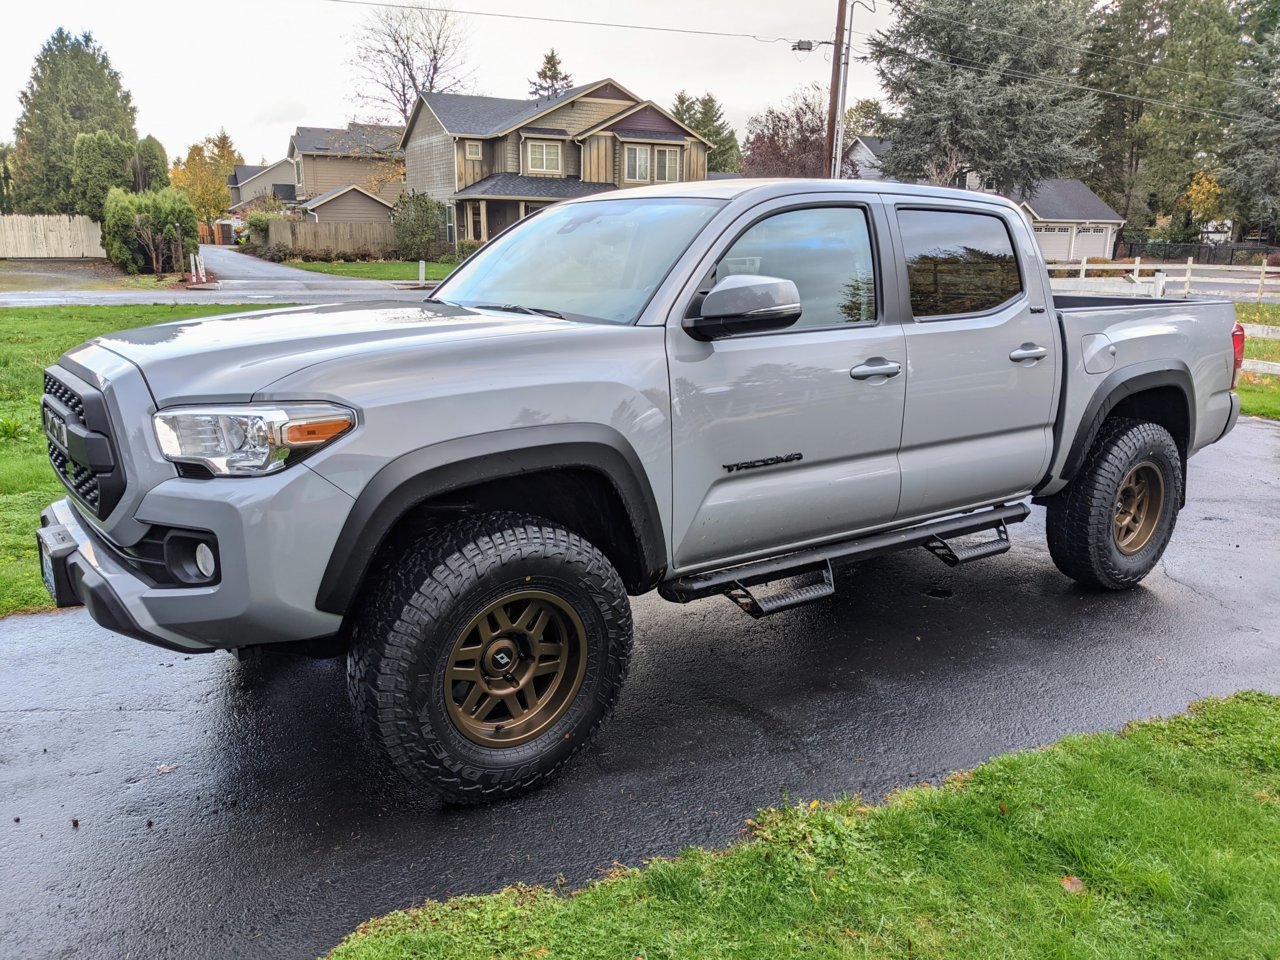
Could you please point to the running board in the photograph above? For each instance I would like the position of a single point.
(735, 582)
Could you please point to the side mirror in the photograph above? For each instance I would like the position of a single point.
(744, 303)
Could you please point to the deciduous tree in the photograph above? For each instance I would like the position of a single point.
(403, 52)
(202, 175)
(866, 118)
(789, 140)
(73, 89)
(550, 79)
(705, 115)
(998, 102)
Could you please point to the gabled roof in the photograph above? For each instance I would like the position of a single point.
(877, 145)
(464, 115)
(607, 124)
(1067, 200)
(243, 172)
(649, 135)
(336, 192)
(285, 191)
(514, 186)
(355, 139)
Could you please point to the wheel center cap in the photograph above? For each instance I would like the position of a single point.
(501, 657)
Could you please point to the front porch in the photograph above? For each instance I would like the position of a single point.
(478, 220)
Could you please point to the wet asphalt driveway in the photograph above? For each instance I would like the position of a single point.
(274, 834)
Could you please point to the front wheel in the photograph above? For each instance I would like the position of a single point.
(1110, 527)
(489, 654)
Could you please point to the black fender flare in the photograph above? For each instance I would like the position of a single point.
(1123, 383)
(441, 468)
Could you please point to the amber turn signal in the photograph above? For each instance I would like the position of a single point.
(307, 433)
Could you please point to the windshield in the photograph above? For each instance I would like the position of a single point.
(597, 260)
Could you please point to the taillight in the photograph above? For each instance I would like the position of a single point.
(1237, 344)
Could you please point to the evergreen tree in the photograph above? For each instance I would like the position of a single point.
(1126, 39)
(550, 79)
(866, 118)
(99, 161)
(969, 100)
(6, 178)
(149, 165)
(705, 115)
(73, 89)
(1250, 156)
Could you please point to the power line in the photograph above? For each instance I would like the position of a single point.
(978, 66)
(568, 20)
(925, 11)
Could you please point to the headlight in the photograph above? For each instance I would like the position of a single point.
(249, 440)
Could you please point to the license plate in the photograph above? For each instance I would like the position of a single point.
(46, 570)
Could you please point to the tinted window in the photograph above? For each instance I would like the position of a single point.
(824, 251)
(957, 262)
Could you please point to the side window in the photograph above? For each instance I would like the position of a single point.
(957, 262)
(824, 251)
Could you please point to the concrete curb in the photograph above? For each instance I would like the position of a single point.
(1261, 331)
(1262, 366)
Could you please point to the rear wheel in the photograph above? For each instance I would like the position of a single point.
(488, 655)
(1110, 527)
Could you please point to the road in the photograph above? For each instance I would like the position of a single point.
(241, 279)
(274, 834)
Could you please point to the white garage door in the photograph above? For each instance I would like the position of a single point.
(1091, 242)
(1055, 242)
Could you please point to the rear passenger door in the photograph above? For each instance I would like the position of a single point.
(982, 357)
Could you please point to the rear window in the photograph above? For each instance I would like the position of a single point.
(957, 262)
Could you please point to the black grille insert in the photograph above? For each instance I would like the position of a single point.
(82, 452)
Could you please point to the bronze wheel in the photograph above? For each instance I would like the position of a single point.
(515, 668)
(1139, 503)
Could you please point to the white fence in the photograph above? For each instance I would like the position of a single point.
(1168, 279)
(49, 237)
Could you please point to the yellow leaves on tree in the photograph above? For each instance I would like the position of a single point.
(1204, 198)
(202, 175)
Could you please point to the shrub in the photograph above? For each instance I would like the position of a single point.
(420, 227)
(151, 231)
(258, 222)
(1273, 259)
(467, 247)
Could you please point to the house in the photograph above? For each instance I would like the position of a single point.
(867, 152)
(366, 155)
(493, 160)
(1070, 221)
(349, 204)
(249, 183)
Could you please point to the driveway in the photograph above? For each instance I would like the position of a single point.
(229, 265)
(274, 834)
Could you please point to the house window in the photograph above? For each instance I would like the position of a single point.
(637, 164)
(450, 224)
(475, 222)
(473, 149)
(666, 164)
(544, 157)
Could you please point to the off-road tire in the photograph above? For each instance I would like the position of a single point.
(410, 622)
(1080, 519)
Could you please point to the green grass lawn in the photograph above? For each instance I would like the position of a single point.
(1259, 395)
(1267, 313)
(1262, 348)
(30, 340)
(378, 269)
(1159, 842)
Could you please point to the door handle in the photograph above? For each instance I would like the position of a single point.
(1028, 351)
(876, 367)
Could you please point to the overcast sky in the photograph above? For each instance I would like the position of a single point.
(262, 68)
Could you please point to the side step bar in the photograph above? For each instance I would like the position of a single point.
(815, 563)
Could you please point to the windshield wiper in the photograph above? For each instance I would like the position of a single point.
(519, 308)
(447, 303)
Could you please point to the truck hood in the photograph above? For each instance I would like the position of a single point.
(230, 358)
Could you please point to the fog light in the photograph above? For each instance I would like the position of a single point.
(205, 562)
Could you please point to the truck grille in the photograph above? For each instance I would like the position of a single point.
(79, 439)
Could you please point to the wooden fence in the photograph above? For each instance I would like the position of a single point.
(1182, 279)
(305, 237)
(49, 237)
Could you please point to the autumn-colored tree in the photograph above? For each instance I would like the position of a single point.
(1204, 198)
(788, 140)
(202, 175)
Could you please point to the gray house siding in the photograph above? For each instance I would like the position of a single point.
(352, 207)
(430, 159)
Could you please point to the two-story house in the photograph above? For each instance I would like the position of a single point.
(364, 155)
(493, 160)
(251, 183)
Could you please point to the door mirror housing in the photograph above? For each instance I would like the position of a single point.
(744, 303)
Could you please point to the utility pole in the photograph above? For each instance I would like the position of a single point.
(836, 106)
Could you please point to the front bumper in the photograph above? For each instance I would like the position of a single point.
(275, 536)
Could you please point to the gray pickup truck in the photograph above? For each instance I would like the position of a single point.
(710, 388)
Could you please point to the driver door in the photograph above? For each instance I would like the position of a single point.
(783, 439)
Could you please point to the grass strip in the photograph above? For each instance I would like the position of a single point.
(1162, 841)
(30, 340)
(1264, 313)
(377, 269)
